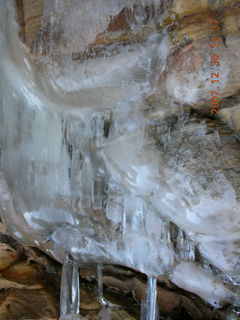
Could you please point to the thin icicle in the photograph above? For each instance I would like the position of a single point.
(151, 299)
(107, 307)
(100, 285)
(75, 307)
(104, 302)
(66, 284)
(106, 311)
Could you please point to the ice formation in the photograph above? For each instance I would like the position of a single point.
(82, 178)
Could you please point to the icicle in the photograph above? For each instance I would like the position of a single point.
(100, 285)
(98, 129)
(70, 290)
(151, 299)
(98, 192)
(185, 247)
(75, 307)
(106, 312)
(65, 289)
(104, 302)
(107, 307)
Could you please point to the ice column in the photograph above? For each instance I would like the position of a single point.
(149, 311)
(70, 290)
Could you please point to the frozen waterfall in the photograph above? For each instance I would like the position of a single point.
(82, 177)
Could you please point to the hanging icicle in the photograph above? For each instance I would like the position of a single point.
(70, 290)
(150, 309)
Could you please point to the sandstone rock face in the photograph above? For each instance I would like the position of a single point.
(198, 149)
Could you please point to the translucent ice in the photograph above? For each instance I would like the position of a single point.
(81, 176)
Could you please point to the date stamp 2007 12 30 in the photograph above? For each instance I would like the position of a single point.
(215, 62)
